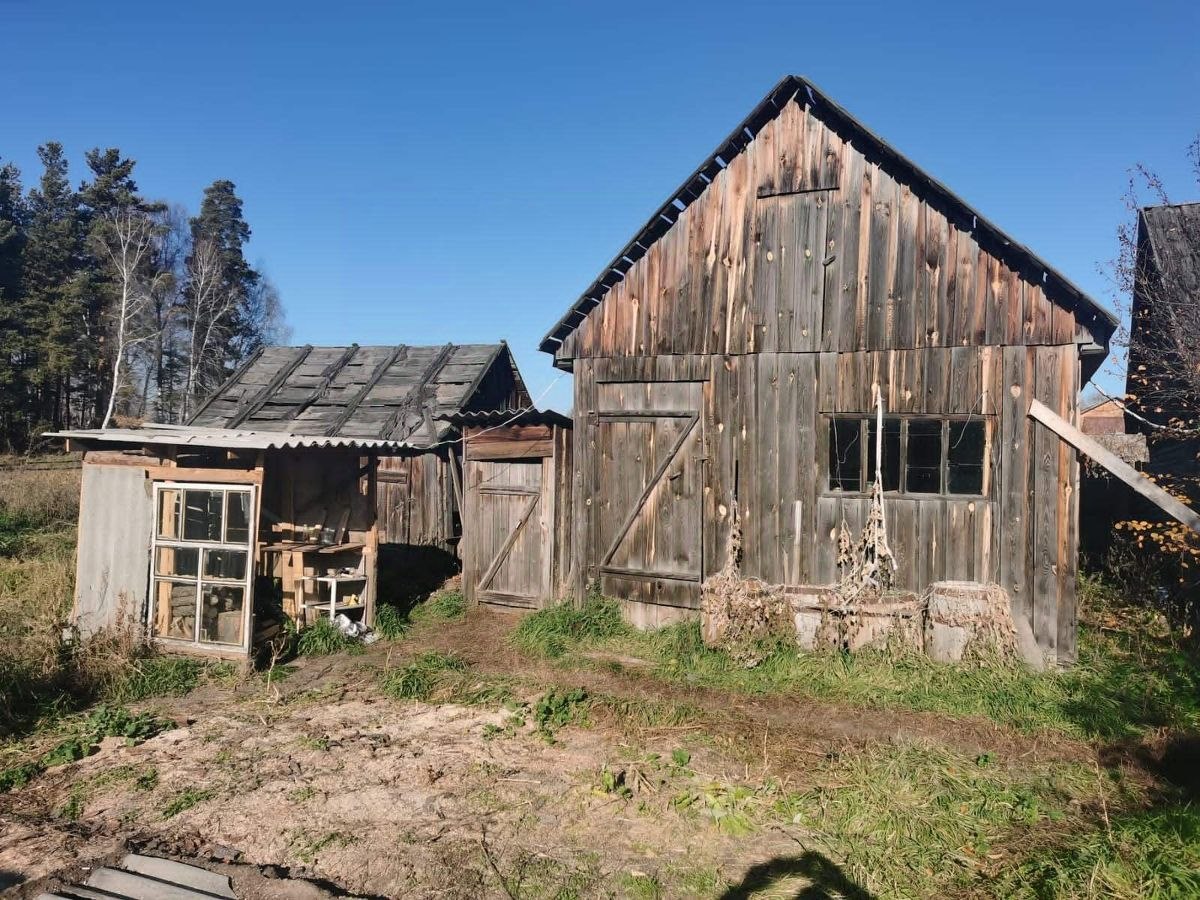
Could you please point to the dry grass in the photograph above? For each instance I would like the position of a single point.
(45, 490)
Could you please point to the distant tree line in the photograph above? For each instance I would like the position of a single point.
(116, 307)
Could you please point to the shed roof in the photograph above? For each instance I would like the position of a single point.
(966, 218)
(1174, 236)
(377, 393)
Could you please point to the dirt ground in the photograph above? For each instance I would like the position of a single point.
(322, 777)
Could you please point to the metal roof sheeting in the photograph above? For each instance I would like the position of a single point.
(225, 438)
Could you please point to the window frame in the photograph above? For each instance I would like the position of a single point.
(866, 422)
(199, 580)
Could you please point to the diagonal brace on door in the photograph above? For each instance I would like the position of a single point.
(692, 420)
(495, 564)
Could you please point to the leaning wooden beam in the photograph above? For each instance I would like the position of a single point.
(1127, 473)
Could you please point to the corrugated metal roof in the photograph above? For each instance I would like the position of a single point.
(225, 438)
(1058, 288)
(375, 392)
(497, 417)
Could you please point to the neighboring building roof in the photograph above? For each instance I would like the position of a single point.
(224, 438)
(1056, 286)
(496, 417)
(378, 393)
(1102, 417)
(1174, 236)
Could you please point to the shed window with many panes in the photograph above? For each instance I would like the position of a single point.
(921, 455)
(203, 538)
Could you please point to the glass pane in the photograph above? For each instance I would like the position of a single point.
(221, 613)
(924, 473)
(237, 517)
(891, 454)
(202, 516)
(229, 564)
(176, 561)
(174, 610)
(168, 513)
(845, 455)
(966, 457)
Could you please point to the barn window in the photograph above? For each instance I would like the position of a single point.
(201, 573)
(921, 455)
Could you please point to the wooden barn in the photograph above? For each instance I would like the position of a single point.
(281, 494)
(725, 363)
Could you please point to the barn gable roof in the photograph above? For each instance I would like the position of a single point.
(1173, 234)
(1058, 288)
(376, 392)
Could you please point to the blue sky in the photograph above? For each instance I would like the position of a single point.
(423, 173)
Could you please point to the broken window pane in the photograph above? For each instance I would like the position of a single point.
(923, 474)
(221, 614)
(237, 517)
(845, 455)
(891, 453)
(168, 513)
(175, 610)
(230, 564)
(966, 457)
(202, 516)
(177, 561)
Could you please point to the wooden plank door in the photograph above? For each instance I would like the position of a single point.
(509, 528)
(648, 522)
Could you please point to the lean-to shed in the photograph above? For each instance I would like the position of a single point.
(280, 494)
(725, 363)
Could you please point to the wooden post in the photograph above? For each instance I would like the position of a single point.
(1127, 473)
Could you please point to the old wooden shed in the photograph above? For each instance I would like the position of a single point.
(517, 476)
(401, 393)
(281, 494)
(725, 361)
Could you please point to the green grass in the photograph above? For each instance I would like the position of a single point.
(185, 800)
(158, 676)
(442, 606)
(420, 678)
(1125, 684)
(1152, 854)
(324, 638)
(83, 739)
(390, 623)
(556, 630)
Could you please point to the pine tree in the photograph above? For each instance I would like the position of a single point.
(222, 285)
(13, 386)
(53, 298)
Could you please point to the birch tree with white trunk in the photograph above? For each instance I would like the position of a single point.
(209, 305)
(126, 241)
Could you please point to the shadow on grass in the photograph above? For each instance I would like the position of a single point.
(826, 880)
(409, 573)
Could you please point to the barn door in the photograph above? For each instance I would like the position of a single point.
(648, 529)
(509, 551)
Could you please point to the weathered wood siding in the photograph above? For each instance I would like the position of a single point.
(518, 522)
(804, 244)
(415, 500)
(116, 514)
(765, 426)
(803, 275)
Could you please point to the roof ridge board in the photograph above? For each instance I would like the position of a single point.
(263, 397)
(786, 90)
